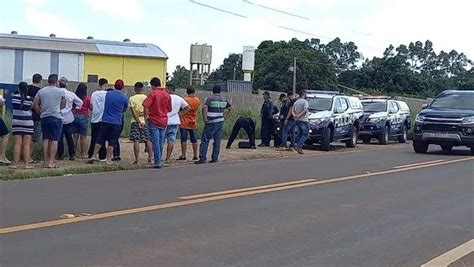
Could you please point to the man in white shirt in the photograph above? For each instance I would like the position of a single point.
(68, 119)
(179, 107)
(97, 108)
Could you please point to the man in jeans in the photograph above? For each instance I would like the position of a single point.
(156, 108)
(300, 114)
(179, 107)
(97, 108)
(48, 103)
(68, 119)
(287, 122)
(32, 91)
(115, 104)
(214, 112)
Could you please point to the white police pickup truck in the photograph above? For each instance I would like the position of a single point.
(385, 119)
(333, 117)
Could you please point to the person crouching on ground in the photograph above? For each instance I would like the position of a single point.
(189, 124)
(138, 129)
(116, 103)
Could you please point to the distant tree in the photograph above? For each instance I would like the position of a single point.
(180, 77)
(230, 69)
(343, 55)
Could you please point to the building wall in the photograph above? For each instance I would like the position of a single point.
(7, 63)
(130, 69)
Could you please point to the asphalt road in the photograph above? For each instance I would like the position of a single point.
(373, 208)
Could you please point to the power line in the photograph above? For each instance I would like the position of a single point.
(276, 10)
(218, 9)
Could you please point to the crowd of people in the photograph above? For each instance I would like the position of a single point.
(54, 113)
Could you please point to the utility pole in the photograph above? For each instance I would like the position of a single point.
(294, 76)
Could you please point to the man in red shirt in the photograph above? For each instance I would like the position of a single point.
(156, 108)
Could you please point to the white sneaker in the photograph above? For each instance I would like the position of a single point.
(5, 161)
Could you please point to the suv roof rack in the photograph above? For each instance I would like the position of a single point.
(324, 92)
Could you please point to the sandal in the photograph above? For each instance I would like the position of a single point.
(182, 158)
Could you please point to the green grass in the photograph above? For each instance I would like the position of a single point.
(85, 169)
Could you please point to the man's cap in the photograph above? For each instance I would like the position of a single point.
(119, 84)
(282, 96)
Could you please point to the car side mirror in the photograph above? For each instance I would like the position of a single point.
(424, 106)
(392, 111)
(340, 110)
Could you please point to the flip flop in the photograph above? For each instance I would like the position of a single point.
(181, 158)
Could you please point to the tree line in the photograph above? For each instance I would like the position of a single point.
(411, 70)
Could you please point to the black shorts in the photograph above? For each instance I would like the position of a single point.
(141, 135)
(3, 128)
(109, 132)
(184, 135)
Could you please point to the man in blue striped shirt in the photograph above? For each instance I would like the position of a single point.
(215, 110)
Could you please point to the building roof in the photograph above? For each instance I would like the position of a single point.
(86, 46)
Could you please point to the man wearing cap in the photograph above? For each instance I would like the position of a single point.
(116, 103)
(266, 114)
(68, 119)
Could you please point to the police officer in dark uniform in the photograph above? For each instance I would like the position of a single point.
(266, 114)
(249, 126)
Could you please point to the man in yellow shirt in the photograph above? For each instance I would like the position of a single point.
(139, 130)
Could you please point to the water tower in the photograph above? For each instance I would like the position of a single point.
(201, 58)
(248, 62)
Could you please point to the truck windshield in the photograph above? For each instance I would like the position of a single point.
(320, 104)
(454, 101)
(374, 106)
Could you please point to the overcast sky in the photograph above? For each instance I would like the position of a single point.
(175, 24)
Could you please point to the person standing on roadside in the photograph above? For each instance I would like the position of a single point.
(48, 103)
(68, 121)
(115, 104)
(156, 108)
(179, 107)
(189, 124)
(287, 122)
(138, 129)
(22, 125)
(3, 134)
(116, 156)
(266, 114)
(300, 113)
(32, 91)
(81, 120)
(97, 108)
(214, 112)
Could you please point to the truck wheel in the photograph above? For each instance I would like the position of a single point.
(384, 136)
(366, 140)
(404, 136)
(420, 147)
(326, 141)
(447, 147)
(351, 143)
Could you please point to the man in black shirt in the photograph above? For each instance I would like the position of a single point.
(249, 126)
(288, 122)
(266, 114)
(32, 91)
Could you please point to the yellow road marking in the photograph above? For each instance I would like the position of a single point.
(451, 256)
(32, 226)
(247, 189)
(419, 163)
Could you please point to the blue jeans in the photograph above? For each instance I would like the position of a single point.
(211, 131)
(289, 127)
(303, 133)
(157, 136)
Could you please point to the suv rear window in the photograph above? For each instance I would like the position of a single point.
(375, 106)
(454, 101)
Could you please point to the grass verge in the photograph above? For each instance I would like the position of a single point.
(7, 175)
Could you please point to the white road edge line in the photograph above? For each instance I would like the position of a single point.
(452, 255)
